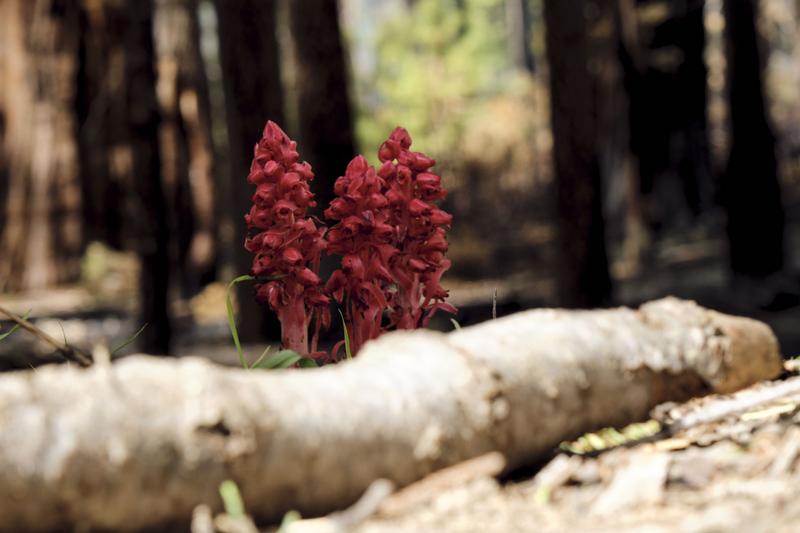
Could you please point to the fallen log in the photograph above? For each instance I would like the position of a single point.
(140, 443)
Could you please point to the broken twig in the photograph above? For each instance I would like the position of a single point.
(70, 353)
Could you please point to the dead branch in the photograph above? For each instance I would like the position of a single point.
(70, 353)
(141, 443)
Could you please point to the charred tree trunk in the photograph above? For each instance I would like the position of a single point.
(103, 136)
(41, 236)
(323, 105)
(694, 163)
(751, 191)
(250, 59)
(153, 229)
(185, 142)
(119, 148)
(575, 90)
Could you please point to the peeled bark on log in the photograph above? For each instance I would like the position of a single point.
(139, 444)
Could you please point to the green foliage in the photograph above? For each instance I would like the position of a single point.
(435, 62)
(15, 328)
(284, 359)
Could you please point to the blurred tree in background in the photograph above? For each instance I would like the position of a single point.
(576, 103)
(251, 62)
(751, 190)
(41, 236)
(187, 154)
(324, 117)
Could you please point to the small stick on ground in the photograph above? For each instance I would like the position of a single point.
(487, 465)
(70, 353)
(734, 406)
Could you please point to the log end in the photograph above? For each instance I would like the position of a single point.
(736, 351)
(751, 349)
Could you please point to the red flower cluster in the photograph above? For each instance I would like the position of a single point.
(390, 234)
(364, 238)
(420, 232)
(288, 244)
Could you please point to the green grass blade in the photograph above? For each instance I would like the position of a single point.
(346, 337)
(232, 316)
(261, 357)
(281, 359)
(231, 499)
(129, 339)
(63, 333)
(8, 333)
(456, 325)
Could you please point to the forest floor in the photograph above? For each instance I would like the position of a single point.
(735, 468)
(735, 472)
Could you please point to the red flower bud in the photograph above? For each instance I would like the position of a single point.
(307, 278)
(353, 266)
(402, 136)
(441, 218)
(418, 207)
(417, 265)
(357, 166)
(292, 256)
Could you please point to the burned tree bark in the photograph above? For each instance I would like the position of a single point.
(153, 226)
(326, 135)
(156, 437)
(119, 147)
(41, 236)
(750, 188)
(575, 103)
(185, 142)
(250, 58)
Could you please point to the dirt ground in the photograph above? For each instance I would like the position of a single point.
(734, 468)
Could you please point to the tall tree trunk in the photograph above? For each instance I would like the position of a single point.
(694, 164)
(323, 105)
(41, 237)
(119, 146)
(103, 136)
(518, 19)
(250, 59)
(751, 192)
(153, 230)
(185, 141)
(575, 89)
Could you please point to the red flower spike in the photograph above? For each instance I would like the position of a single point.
(287, 250)
(420, 232)
(361, 236)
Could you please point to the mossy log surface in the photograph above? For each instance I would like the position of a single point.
(139, 444)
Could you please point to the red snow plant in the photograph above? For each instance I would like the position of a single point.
(287, 243)
(387, 229)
